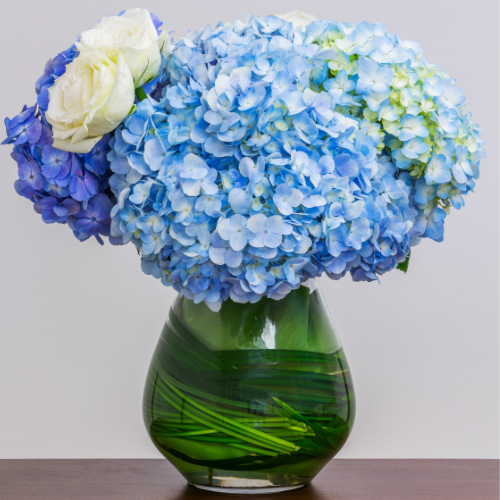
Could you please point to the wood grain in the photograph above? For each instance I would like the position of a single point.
(158, 480)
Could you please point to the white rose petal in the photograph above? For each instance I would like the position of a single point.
(298, 18)
(91, 99)
(118, 104)
(133, 35)
(164, 43)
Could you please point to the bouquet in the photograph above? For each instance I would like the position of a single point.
(243, 160)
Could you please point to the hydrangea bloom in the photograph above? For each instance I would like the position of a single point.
(60, 184)
(272, 155)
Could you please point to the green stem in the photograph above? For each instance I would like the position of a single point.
(141, 95)
(261, 435)
(220, 426)
(253, 449)
(191, 433)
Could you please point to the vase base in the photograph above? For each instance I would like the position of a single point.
(248, 490)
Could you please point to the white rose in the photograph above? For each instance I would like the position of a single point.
(91, 99)
(298, 18)
(133, 35)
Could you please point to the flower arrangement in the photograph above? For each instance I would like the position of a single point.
(245, 159)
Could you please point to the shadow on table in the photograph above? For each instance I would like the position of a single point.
(306, 493)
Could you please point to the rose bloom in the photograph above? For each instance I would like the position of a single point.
(91, 99)
(298, 18)
(133, 35)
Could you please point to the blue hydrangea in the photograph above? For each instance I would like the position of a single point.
(272, 156)
(61, 185)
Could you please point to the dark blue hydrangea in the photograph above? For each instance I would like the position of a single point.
(53, 70)
(64, 187)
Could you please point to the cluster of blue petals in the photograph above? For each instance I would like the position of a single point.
(66, 188)
(271, 156)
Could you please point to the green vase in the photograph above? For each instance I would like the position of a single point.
(253, 398)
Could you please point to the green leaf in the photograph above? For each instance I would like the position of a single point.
(403, 266)
(132, 109)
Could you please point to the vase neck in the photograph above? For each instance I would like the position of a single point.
(299, 321)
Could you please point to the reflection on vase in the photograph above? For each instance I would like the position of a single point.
(253, 398)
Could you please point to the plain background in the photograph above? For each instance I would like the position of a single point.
(79, 322)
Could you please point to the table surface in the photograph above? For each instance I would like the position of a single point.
(158, 480)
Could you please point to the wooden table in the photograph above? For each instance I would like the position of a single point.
(158, 480)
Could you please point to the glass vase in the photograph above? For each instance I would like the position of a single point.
(255, 398)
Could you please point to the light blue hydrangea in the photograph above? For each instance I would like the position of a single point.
(271, 155)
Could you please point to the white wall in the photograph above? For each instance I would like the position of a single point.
(79, 322)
